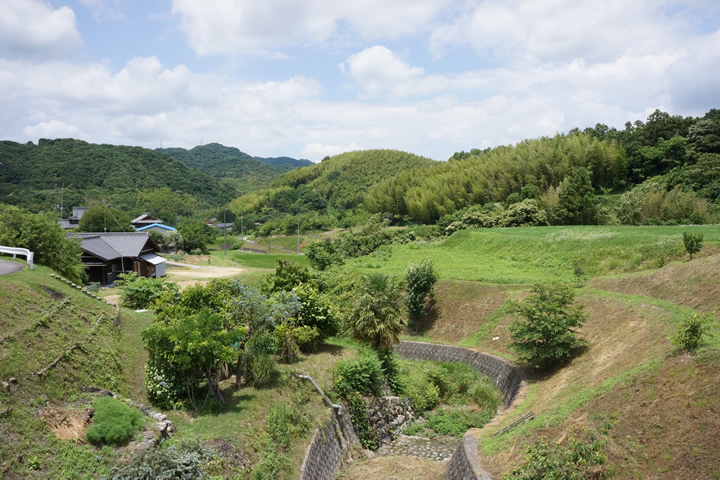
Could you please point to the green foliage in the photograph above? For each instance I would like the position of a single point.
(163, 388)
(277, 425)
(543, 333)
(141, 292)
(457, 421)
(188, 459)
(577, 202)
(363, 375)
(693, 242)
(690, 333)
(377, 318)
(102, 218)
(41, 234)
(554, 461)
(323, 255)
(317, 311)
(230, 165)
(287, 342)
(358, 410)
(91, 171)
(114, 422)
(420, 280)
(424, 395)
(196, 235)
(259, 366)
(192, 347)
(288, 275)
(652, 204)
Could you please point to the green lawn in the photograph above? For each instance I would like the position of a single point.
(531, 254)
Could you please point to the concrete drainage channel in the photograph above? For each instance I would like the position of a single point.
(325, 454)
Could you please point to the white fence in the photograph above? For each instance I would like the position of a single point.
(19, 251)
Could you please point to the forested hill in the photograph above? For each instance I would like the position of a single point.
(232, 166)
(288, 162)
(343, 179)
(30, 174)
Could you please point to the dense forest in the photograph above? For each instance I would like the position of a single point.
(662, 171)
(228, 164)
(75, 173)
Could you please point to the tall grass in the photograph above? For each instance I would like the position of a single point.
(532, 254)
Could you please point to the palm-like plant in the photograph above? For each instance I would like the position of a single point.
(377, 317)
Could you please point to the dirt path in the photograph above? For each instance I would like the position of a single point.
(203, 272)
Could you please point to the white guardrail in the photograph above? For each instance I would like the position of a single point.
(19, 251)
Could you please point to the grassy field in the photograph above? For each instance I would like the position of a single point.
(532, 254)
(636, 285)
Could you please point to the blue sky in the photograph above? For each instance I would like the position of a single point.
(319, 77)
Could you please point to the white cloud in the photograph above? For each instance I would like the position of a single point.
(225, 27)
(531, 31)
(34, 28)
(52, 129)
(378, 70)
(319, 151)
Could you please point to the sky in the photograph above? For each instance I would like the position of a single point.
(312, 78)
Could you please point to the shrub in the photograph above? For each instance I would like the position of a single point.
(114, 422)
(554, 461)
(423, 396)
(485, 394)
(164, 389)
(692, 242)
(543, 333)
(186, 460)
(258, 364)
(363, 375)
(357, 409)
(141, 292)
(457, 421)
(420, 279)
(690, 333)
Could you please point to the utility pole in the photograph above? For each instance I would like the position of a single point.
(298, 220)
(242, 237)
(62, 196)
(225, 232)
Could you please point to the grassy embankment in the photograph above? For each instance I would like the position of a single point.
(637, 284)
(44, 416)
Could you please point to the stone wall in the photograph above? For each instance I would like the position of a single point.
(388, 416)
(324, 456)
(465, 463)
(507, 377)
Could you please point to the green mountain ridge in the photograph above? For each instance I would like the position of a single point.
(234, 167)
(32, 175)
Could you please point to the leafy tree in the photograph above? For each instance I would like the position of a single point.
(323, 255)
(101, 218)
(288, 275)
(690, 333)
(577, 200)
(377, 319)
(194, 347)
(544, 331)
(693, 242)
(420, 280)
(41, 234)
(141, 292)
(196, 235)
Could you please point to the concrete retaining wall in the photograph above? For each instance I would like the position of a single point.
(324, 456)
(507, 377)
(465, 463)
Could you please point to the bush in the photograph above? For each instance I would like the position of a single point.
(114, 422)
(423, 396)
(164, 389)
(456, 422)
(258, 364)
(553, 461)
(363, 375)
(692, 242)
(420, 279)
(690, 333)
(357, 409)
(141, 292)
(186, 460)
(543, 334)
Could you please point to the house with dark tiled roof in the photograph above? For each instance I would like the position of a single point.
(106, 255)
(144, 220)
(74, 219)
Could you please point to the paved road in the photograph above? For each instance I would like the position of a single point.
(9, 267)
